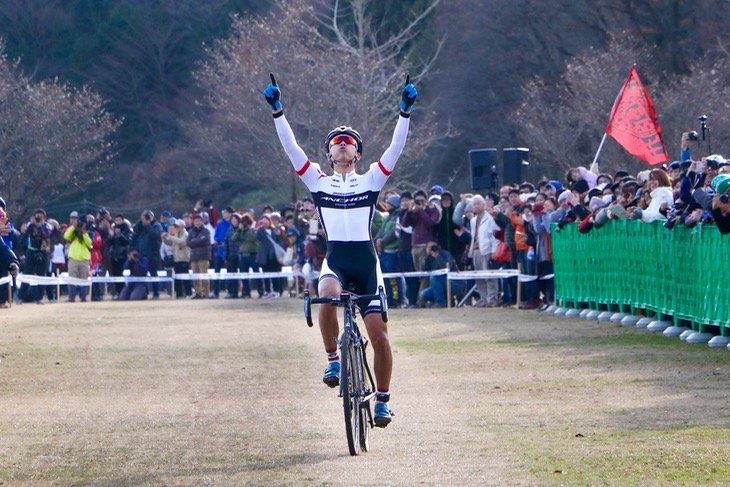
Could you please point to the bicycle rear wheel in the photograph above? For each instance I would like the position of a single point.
(350, 397)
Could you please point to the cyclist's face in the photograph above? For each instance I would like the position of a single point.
(343, 152)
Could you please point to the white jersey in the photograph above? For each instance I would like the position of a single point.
(346, 204)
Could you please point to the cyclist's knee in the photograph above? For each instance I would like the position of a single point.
(329, 288)
(378, 333)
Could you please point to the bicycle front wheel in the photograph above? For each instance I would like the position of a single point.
(350, 397)
(363, 411)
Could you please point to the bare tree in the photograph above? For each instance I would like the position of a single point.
(342, 76)
(54, 139)
(563, 124)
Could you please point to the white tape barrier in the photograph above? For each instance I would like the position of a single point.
(468, 275)
(64, 279)
(6, 280)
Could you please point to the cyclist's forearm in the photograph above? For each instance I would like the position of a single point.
(391, 154)
(286, 136)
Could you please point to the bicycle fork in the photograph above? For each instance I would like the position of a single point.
(366, 389)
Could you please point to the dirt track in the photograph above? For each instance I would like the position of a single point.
(229, 393)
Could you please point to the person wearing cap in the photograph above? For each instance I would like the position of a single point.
(450, 236)
(436, 189)
(148, 237)
(386, 243)
(346, 202)
(553, 188)
(79, 256)
(721, 202)
(674, 170)
(177, 238)
(564, 200)
(165, 217)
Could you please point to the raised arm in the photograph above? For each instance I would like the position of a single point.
(296, 155)
(398, 142)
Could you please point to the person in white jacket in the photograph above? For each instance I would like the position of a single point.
(662, 197)
(483, 245)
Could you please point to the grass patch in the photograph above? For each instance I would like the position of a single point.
(682, 456)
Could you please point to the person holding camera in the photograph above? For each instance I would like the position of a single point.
(436, 259)
(38, 240)
(148, 239)
(138, 266)
(79, 256)
(422, 218)
(118, 247)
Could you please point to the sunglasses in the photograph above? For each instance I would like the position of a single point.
(347, 139)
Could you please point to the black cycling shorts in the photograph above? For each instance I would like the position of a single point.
(356, 266)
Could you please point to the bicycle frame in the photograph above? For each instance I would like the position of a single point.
(357, 386)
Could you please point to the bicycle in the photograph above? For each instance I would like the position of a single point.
(357, 386)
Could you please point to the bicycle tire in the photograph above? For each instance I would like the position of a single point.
(364, 406)
(350, 399)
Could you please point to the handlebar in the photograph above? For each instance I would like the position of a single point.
(345, 298)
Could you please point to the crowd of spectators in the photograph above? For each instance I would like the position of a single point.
(509, 228)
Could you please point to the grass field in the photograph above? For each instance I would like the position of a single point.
(229, 393)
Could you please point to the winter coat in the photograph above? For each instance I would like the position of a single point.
(199, 242)
(179, 244)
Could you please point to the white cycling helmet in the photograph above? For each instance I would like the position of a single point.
(346, 131)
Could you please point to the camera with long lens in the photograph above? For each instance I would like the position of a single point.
(80, 226)
(725, 198)
(693, 135)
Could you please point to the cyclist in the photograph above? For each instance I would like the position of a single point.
(345, 202)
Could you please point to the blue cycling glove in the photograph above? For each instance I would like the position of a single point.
(409, 98)
(272, 94)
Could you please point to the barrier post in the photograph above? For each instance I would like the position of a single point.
(448, 291)
(519, 285)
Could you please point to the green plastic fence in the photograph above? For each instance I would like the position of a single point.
(680, 273)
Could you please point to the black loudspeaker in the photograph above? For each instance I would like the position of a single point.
(483, 163)
(515, 165)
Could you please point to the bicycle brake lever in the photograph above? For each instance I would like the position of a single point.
(308, 308)
(383, 304)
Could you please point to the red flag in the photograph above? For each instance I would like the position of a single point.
(634, 123)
